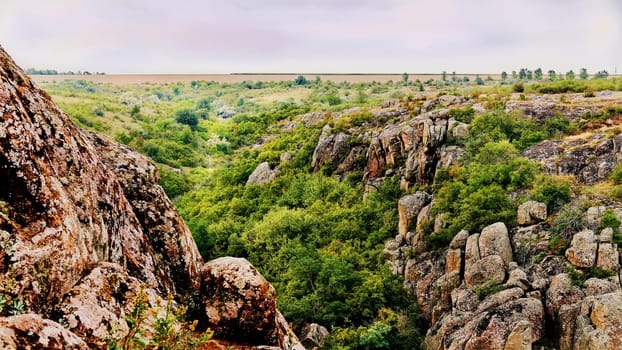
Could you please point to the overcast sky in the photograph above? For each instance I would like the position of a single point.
(224, 36)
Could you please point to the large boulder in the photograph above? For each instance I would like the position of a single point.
(313, 335)
(31, 331)
(487, 270)
(531, 212)
(494, 240)
(262, 174)
(582, 250)
(408, 207)
(600, 324)
(239, 302)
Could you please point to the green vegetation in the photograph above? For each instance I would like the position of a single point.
(312, 234)
(487, 289)
(163, 328)
(578, 277)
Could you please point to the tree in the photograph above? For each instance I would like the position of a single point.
(444, 76)
(301, 80)
(552, 75)
(570, 75)
(453, 76)
(479, 80)
(522, 74)
(529, 75)
(504, 76)
(583, 74)
(187, 117)
(405, 77)
(538, 73)
(603, 74)
(514, 75)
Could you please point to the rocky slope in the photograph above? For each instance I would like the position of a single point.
(498, 288)
(85, 228)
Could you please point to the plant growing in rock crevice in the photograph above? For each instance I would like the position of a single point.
(154, 327)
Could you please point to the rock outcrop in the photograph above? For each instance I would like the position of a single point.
(506, 290)
(85, 228)
(590, 160)
(262, 174)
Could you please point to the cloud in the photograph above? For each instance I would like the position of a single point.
(321, 35)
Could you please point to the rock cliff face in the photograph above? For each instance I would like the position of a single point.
(502, 289)
(84, 227)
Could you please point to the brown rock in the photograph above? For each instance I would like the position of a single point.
(313, 335)
(494, 240)
(520, 337)
(453, 263)
(31, 331)
(605, 330)
(239, 302)
(493, 329)
(471, 252)
(561, 292)
(531, 212)
(487, 270)
(409, 207)
(459, 240)
(608, 257)
(582, 251)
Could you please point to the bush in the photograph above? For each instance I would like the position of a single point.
(519, 87)
(187, 117)
(487, 289)
(552, 192)
(567, 223)
(616, 175)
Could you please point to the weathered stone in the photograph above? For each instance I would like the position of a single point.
(330, 149)
(453, 262)
(262, 174)
(608, 257)
(489, 269)
(518, 278)
(605, 328)
(471, 251)
(464, 300)
(494, 240)
(593, 215)
(597, 286)
(520, 337)
(313, 335)
(492, 330)
(424, 218)
(582, 251)
(31, 331)
(606, 235)
(459, 240)
(88, 226)
(409, 207)
(239, 302)
(531, 212)
(460, 131)
(561, 292)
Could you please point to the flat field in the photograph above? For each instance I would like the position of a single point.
(125, 79)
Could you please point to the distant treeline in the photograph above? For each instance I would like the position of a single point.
(33, 71)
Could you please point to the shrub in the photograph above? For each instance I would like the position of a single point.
(487, 289)
(616, 175)
(552, 192)
(568, 222)
(519, 87)
(187, 117)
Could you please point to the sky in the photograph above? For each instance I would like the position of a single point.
(313, 36)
